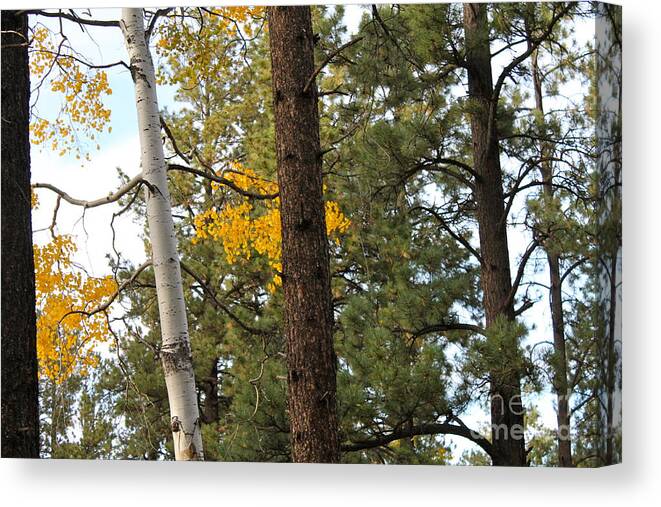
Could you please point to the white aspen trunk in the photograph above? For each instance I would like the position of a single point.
(176, 349)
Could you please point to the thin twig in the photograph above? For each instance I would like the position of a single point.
(332, 55)
(221, 180)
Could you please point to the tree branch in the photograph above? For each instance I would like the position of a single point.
(531, 48)
(421, 429)
(332, 55)
(572, 268)
(221, 180)
(519, 275)
(217, 302)
(154, 18)
(463, 241)
(83, 62)
(73, 17)
(495, 96)
(527, 305)
(103, 307)
(376, 16)
(456, 326)
(459, 164)
(124, 189)
(186, 269)
(170, 136)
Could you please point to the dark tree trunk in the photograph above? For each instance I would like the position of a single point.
(560, 382)
(20, 388)
(506, 405)
(211, 409)
(610, 370)
(308, 315)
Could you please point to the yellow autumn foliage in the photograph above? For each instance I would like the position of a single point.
(244, 228)
(192, 49)
(66, 341)
(82, 88)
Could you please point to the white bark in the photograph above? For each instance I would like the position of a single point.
(175, 350)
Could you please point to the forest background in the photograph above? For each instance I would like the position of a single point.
(117, 147)
(115, 161)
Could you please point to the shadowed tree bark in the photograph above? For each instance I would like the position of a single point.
(20, 387)
(308, 316)
(506, 405)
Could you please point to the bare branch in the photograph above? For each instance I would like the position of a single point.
(124, 189)
(377, 17)
(433, 165)
(73, 17)
(572, 268)
(170, 136)
(527, 305)
(519, 275)
(495, 96)
(459, 164)
(104, 306)
(54, 220)
(531, 48)
(421, 429)
(154, 18)
(452, 326)
(339, 140)
(332, 55)
(83, 62)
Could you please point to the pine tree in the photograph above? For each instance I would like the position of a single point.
(308, 313)
(406, 261)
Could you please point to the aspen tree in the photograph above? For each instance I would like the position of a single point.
(176, 350)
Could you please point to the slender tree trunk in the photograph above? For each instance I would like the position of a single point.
(20, 385)
(608, 46)
(610, 369)
(308, 321)
(506, 404)
(176, 349)
(560, 382)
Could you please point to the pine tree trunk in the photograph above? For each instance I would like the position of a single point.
(506, 405)
(308, 321)
(20, 384)
(560, 382)
(176, 349)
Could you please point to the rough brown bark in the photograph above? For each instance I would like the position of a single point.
(20, 402)
(308, 315)
(506, 405)
(560, 382)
